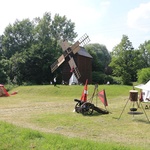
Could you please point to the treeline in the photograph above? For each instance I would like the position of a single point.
(28, 48)
(131, 64)
(124, 65)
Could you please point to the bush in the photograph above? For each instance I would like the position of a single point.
(116, 80)
(101, 78)
(143, 75)
(126, 79)
(98, 77)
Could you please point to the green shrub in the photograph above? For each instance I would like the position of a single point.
(101, 78)
(117, 80)
(143, 75)
(126, 79)
(98, 77)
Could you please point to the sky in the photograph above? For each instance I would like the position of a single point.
(105, 21)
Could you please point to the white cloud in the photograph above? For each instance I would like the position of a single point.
(109, 42)
(83, 13)
(139, 18)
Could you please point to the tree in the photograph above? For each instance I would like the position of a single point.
(101, 56)
(16, 68)
(144, 50)
(4, 66)
(47, 49)
(32, 46)
(100, 62)
(144, 75)
(17, 37)
(62, 28)
(122, 61)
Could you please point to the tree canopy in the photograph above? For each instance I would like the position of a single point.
(126, 61)
(31, 46)
(100, 62)
(101, 56)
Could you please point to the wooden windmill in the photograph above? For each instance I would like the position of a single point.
(70, 51)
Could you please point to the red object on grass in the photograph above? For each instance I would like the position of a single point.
(85, 92)
(102, 97)
(3, 91)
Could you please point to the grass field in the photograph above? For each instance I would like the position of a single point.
(48, 113)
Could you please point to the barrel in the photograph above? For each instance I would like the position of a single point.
(133, 95)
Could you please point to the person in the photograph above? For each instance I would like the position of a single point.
(54, 81)
(108, 82)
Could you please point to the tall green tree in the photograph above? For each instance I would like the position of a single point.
(100, 62)
(122, 61)
(17, 37)
(47, 49)
(62, 28)
(144, 50)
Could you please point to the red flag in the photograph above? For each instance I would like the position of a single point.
(85, 92)
(102, 97)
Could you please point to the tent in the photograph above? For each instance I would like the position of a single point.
(145, 91)
(3, 91)
(73, 80)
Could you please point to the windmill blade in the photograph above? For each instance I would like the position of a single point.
(61, 59)
(75, 47)
(74, 68)
(84, 40)
(77, 73)
(57, 63)
(72, 63)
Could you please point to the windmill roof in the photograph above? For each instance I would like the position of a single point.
(83, 52)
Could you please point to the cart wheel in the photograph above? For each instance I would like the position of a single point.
(87, 108)
(77, 107)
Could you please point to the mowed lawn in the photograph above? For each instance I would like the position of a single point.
(49, 110)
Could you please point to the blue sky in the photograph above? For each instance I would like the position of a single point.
(105, 21)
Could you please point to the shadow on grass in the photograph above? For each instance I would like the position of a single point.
(117, 118)
(95, 114)
(57, 86)
(136, 120)
(142, 121)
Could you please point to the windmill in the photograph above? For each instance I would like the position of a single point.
(70, 51)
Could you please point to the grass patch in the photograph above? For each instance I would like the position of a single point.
(49, 111)
(16, 138)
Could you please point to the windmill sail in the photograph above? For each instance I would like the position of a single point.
(74, 68)
(57, 63)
